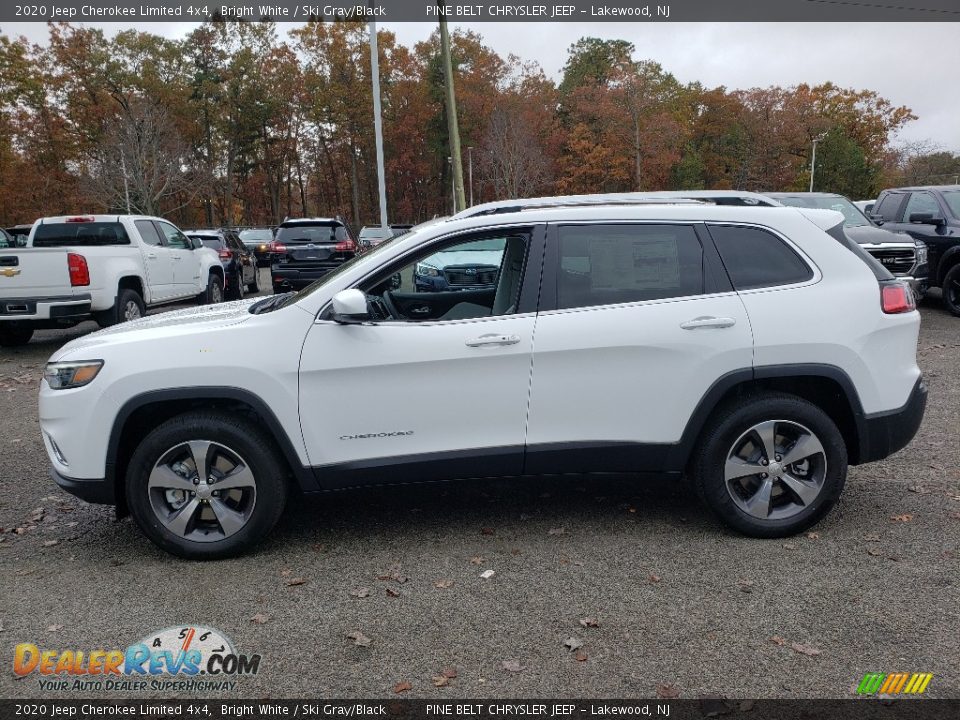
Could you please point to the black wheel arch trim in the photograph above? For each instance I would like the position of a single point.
(303, 475)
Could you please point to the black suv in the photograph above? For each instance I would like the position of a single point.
(239, 264)
(930, 214)
(306, 249)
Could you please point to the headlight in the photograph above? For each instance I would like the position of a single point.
(64, 375)
(427, 270)
(921, 252)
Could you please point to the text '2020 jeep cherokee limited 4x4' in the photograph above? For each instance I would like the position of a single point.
(658, 338)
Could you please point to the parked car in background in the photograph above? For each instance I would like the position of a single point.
(372, 235)
(239, 264)
(865, 206)
(19, 233)
(474, 266)
(306, 249)
(7, 240)
(258, 241)
(671, 340)
(106, 267)
(901, 254)
(930, 214)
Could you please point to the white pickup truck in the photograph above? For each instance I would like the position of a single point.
(106, 267)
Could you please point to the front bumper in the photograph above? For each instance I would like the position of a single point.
(883, 434)
(98, 491)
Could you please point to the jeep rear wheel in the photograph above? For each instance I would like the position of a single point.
(206, 485)
(772, 465)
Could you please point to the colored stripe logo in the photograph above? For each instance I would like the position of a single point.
(894, 683)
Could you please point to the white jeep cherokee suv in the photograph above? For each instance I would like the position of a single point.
(756, 350)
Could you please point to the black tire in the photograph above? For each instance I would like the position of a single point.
(128, 306)
(14, 334)
(951, 290)
(259, 455)
(728, 428)
(237, 286)
(214, 292)
(254, 287)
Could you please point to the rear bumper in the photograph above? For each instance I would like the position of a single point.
(297, 278)
(45, 308)
(884, 433)
(98, 491)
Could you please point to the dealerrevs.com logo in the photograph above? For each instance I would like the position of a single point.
(185, 658)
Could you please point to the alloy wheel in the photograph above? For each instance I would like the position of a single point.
(216, 294)
(131, 311)
(202, 491)
(775, 470)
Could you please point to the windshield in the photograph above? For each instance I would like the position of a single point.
(318, 233)
(852, 217)
(953, 200)
(209, 241)
(256, 236)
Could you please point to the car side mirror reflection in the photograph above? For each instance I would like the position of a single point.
(350, 307)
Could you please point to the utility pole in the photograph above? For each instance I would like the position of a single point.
(377, 122)
(470, 171)
(813, 158)
(126, 185)
(453, 128)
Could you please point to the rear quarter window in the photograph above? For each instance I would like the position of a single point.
(73, 234)
(756, 258)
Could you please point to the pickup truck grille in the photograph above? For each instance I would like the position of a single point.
(897, 261)
(464, 277)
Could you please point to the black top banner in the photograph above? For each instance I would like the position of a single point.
(579, 11)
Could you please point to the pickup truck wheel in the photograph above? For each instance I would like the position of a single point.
(236, 291)
(206, 485)
(771, 466)
(951, 290)
(214, 292)
(254, 287)
(14, 334)
(129, 306)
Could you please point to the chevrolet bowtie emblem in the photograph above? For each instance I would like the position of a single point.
(9, 272)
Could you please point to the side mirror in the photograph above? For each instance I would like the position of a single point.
(878, 219)
(350, 307)
(926, 219)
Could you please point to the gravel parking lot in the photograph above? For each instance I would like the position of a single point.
(677, 604)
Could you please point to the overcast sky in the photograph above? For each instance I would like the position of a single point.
(912, 64)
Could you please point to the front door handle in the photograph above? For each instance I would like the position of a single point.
(493, 340)
(151, 256)
(708, 321)
(424, 310)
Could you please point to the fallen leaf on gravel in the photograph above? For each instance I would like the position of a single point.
(394, 574)
(667, 691)
(450, 672)
(918, 489)
(443, 584)
(54, 628)
(392, 593)
(516, 551)
(874, 551)
(813, 536)
(557, 531)
(654, 578)
(580, 656)
(440, 681)
(955, 516)
(804, 649)
(573, 643)
(260, 618)
(402, 687)
(286, 572)
(589, 622)
(906, 517)
(487, 574)
(361, 592)
(512, 665)
(50, 543)
(296, 581)
(872, 537)
(777, 640)
(789, 546)
(19, 531)
(486, 531)
(362, 640)
(745, 585)
(631, 509)
(477, 560)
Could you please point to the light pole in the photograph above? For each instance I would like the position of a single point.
(813, 158)
(470, 171)
(377, 122)
(453, 185)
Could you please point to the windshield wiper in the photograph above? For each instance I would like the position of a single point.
(270, 303)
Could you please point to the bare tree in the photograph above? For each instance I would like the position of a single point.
(512, 159)
(142, 161)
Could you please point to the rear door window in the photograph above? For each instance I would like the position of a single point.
(756, 258)
(612, 264)
(80, 233)
(889, 207)
(148, 232)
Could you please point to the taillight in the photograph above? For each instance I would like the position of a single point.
(277, 247)
(79, 272)
(225, 254)
(80, 219)
(345, 246)
(897, 297)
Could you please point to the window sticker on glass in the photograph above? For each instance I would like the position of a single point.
(650, 262)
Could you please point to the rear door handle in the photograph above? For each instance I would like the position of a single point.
(493, 340)
(708, 321)
(151, 256)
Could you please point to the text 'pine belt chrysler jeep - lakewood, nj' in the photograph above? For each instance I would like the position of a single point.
(652, 338)
(105, 267)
